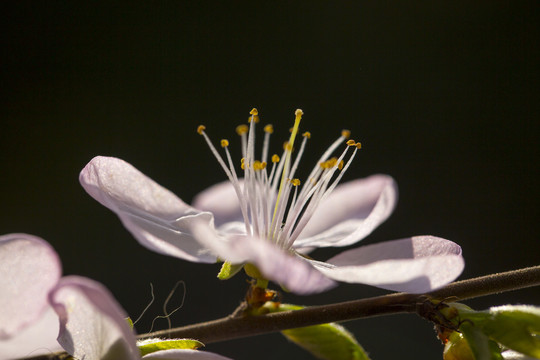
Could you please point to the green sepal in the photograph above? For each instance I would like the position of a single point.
(326, 341)
(152, 345)
(480, 344)
(252, 271)
(457, 348)
(228, 270)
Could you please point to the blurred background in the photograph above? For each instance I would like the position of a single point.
(444, 96)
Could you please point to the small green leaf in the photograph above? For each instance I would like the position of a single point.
(152, 345)
(326, 341)
(228, 270)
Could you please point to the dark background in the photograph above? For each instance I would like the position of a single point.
(443, 95)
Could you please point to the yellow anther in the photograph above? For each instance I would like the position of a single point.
(257, 165)
(351, 142)
(224, 143)
(242, 129)
(263, 164)
(269, 129)
(295, 182)
(200, 129)
(358, 145)
(332, 162)
(298, 113)
(307, 134)
(346, 133)
(340, 165)
(242, 164)
(254, 116)
(287, 146)
(275, 158)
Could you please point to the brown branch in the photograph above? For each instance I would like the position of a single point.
(237, 327)
(234, 327)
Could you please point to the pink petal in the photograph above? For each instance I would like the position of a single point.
(157, 218)
(37, 339)
(29, 269)
(221, 200)
(350, 213)
(184, 354)
(287, 269)
(93, 326)
(416, 265)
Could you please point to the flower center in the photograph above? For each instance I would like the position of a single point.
(271, 203)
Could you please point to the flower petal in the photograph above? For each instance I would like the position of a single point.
(37, 339)
(93, 326)
(289, 270)
(418, 264)
(221, 200)
(29, 269)
(157, 218)
(350, 213)
(184, 354)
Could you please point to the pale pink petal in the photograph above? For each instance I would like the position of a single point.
(221, 200)
(37, 339)
(418, 264)
(350, 213)
(184, 354)
(93, 326)
(157, 218)
(287, 269)
(29, 269)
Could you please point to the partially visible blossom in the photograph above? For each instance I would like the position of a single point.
(87, 322)
(267, 220)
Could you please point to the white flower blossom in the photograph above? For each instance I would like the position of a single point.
(267, 219)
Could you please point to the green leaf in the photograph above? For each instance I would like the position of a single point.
(152, 345)
(326, 341)
(228, 270)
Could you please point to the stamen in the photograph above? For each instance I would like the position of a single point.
(200, 129)
(346, 133)
(224, 143)
(298, 113)
(275, 158)
(242, 130)
(268, 129)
